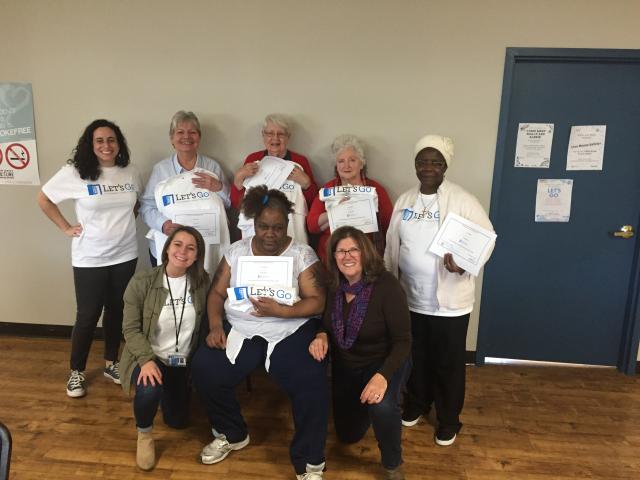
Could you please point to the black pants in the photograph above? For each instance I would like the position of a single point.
(352, 418)
(438, 373)
(293, 368)
(99, 288)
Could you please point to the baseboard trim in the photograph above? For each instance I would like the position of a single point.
(64, 331)
(41, 330)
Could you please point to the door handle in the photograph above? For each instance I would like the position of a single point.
(626, 231)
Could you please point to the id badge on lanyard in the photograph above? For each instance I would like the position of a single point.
(177, 359)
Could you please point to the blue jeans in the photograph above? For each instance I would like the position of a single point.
(352, 418)
(173, 395)
(293, 368)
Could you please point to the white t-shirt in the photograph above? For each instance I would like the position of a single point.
(163, 339)
(272, 329)
(419, 267)
(104, 208)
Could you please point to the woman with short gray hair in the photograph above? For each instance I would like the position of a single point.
(276, 133)
(350, 169)
(184, 134)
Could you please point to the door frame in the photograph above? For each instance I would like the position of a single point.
(630, 339)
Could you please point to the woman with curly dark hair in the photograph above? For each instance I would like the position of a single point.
(104, 249)
(367, 323)
(262, 327)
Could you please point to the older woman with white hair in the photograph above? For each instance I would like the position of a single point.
(300, 187)
(350, 169)
(184, 134)
(440, 293)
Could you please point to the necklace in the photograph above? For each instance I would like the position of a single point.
(426, 208)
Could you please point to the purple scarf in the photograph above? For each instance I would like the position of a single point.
(345, 334)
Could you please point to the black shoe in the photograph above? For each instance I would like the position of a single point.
(445, 437)
(411, 416)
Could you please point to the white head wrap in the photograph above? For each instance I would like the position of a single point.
(443, 144)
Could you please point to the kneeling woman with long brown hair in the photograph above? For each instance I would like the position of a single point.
(162, 312)
(367, 319)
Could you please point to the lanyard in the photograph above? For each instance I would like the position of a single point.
(173, 306)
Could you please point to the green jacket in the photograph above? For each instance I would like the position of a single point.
(143, 301)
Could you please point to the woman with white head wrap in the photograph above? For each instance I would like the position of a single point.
(440, 293)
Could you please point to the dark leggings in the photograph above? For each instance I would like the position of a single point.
(173, 395)
(99, 288)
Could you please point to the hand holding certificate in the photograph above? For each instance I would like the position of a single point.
(469, 243)
(273, 173)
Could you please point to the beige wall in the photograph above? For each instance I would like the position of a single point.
(387, 71)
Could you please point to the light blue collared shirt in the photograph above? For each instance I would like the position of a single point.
(168, 168)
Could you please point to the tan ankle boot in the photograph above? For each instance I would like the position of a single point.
(146, 452)
(395, 474)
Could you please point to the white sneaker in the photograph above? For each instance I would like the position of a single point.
(314, 472)
(76, 384)
(218, 450)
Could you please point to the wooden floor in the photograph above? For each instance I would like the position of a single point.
(533, 423)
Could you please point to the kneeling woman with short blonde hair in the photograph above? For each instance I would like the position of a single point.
(162, 312)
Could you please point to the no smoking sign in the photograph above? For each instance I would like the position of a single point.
(17, 156)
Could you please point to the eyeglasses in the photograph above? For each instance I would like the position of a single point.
(432, 163)
(278, 135)
(353, 253)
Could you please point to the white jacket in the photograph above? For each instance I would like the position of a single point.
(454, 291)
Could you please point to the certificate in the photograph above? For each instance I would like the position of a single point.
(265, 271)
(469, 243)
(553, 200)
(533, 145)
(355, 212)
(586, 147)
(205, 221)
(273, 173)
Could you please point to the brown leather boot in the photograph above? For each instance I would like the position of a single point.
(146, 451)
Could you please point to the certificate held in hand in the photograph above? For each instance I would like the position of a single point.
(469, 243)
(358, 212)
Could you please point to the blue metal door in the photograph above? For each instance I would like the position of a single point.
(566, 292)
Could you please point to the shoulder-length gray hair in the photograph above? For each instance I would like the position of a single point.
(182, 116)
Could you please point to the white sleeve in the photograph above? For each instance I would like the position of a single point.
(64, 185)
(148, 210)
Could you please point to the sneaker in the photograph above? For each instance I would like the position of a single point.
(314, 472)
(113, 372)
(218, 450)
(76, 384)
(444, 438)
(411, 414)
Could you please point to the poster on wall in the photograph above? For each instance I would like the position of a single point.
(533, 145)
(18, 154)
(553, 200)
(586, 147)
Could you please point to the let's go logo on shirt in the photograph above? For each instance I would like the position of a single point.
(172, 198)
(103, 189)
(408, 215)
